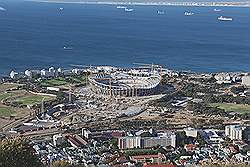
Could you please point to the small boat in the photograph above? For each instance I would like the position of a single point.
(2, 9)
(160, 12)
(188, 13)
(129, 10)
(221, 18)
(67, 48)
(61, 8)
(121, 7)
(217, 10)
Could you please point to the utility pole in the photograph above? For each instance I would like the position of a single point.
(42, 107)
(70, 93)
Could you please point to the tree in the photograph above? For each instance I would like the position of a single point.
(237, 90)
(61, 164)
(181, 138)
(17, 152)
(200, 140)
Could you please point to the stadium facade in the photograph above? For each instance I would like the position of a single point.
(127, 83)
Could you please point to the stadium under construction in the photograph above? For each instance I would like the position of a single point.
(127, 82)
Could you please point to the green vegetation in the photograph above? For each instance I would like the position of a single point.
(32, 99)
(62, 163)
(17, 153)
(114, 144)
(77, 79)
(61, 81)
(54, 82)
(183, 139)
(22, 97)
(6, 86)
(237, 89)
(135, 151)
(6, 111)
(5, 96)
(231, 107)
(12, 102)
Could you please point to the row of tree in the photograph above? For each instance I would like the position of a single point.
(18, 152)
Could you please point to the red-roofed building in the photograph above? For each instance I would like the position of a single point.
(233, 149)
(117, 134)
(155, 158)
(73, 141)
(190, 147)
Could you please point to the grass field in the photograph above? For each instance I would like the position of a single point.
(239, 108)
(20, 96)
(54, 82)
(60, 81)
(6, 86)
(32, 99)
(6, 111)
(23, 97)
(5, 96)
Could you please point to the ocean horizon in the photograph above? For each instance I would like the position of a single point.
(38, 35)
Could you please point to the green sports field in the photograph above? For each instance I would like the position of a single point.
(231, 107)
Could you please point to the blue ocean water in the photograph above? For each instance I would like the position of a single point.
(33, 36)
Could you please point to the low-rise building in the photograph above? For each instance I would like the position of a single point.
(51, 72)
(156, 158)
(191, 132)
(58, 139)
(213, 136)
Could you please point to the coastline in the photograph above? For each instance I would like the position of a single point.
(140, 3)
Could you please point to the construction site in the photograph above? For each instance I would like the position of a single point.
(133, 82)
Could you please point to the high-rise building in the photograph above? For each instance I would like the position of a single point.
(246, 80)
(234, 132)
(14, 75)
(163, 139)
(28, 73)
(129, 142)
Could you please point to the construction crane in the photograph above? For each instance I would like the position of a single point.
(144, 64)
(152, 67)
(80, 65)
(70, 93)
(90, 67)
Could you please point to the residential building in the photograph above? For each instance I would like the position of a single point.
(58, 139)
(51, 72)
(246, 80)
(157, 158)
(234, 132)
(14, 75)
(191, 132)
(129, 142)
(163, 139)
(213, 136)
(28, 73)
(246, 134)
